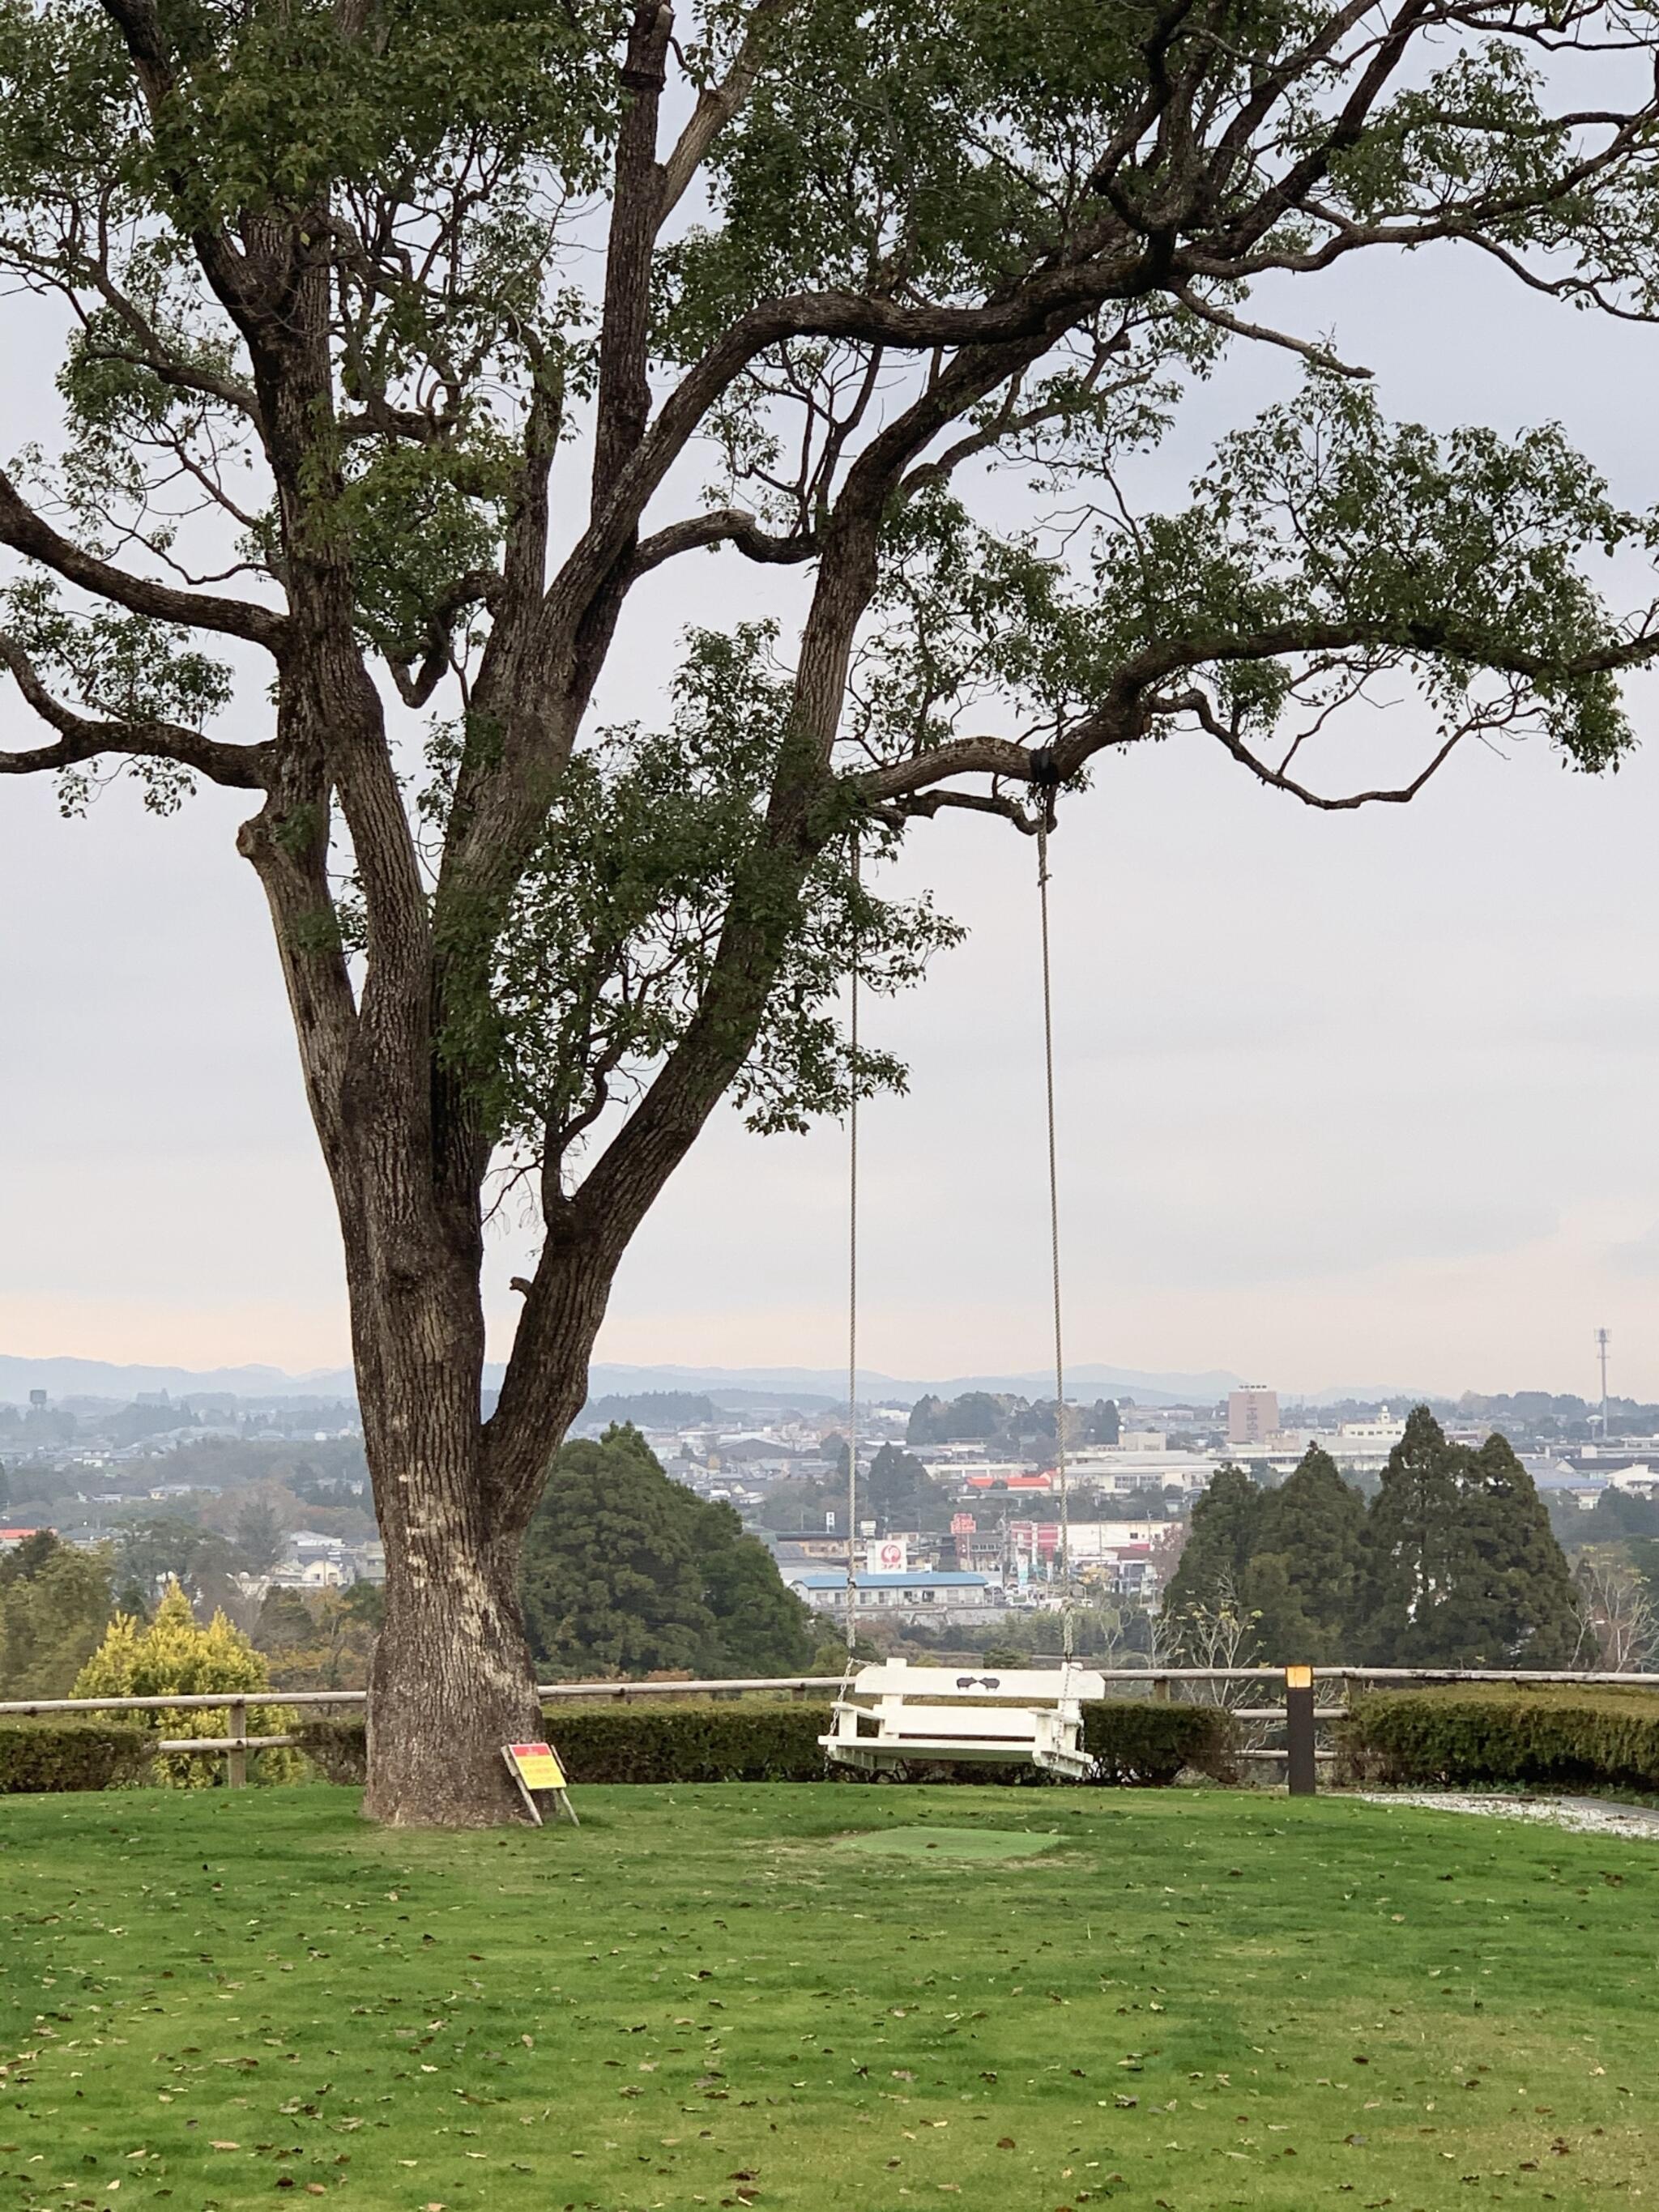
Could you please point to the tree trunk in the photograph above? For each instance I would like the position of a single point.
(452, 1680)
(452, 1684)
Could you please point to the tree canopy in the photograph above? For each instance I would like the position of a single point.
(627, 1572)
(1453, 1565)
(1462, 1568)
(54, 1605)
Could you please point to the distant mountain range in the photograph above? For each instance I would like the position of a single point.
(824, 1385)
(806, 1387)
(101, 1378)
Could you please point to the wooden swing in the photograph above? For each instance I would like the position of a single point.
(889, 1717)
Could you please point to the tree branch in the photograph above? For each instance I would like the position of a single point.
(716, 106)
(1196, 704)
(479, 586)
(622, 404)
(722, 525)
(82, 738)
(1322, 356)
(1133, 706)
(29, 533)
(1037, 309)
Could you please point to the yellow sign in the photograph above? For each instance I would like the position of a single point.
(537, 1766)
(1298, 1678)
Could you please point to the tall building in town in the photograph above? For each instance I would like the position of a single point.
(1252, 1414)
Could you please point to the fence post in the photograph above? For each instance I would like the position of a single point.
(1301, 1768)
(1161, 1688)
(236, 1761)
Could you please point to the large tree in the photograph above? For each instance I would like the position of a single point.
(1461, 1567)
(900, 1489)
(54, 1606)
(1302, 1580)
(397, 342)
(1209, 1579)
(627, 1572)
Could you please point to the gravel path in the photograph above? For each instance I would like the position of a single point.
(1583, 1816)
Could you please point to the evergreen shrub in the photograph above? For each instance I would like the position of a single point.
(95, 1754)
(333, 1747)
(1146, 1743)
(1465, 1733)
(1136, 1742)
(687, 1740)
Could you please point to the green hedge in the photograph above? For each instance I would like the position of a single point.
(714, 1742)
(93, 1754)
(335, 1747)
(1140, 1741)
(723, 1740)
(1136, 1742)
(1549, 1733)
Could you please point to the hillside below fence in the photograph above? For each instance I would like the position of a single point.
(1452, 1726)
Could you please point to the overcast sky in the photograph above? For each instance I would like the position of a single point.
(1345, 1099)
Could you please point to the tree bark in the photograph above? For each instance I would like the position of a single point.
(451, 1682)
(452, 1678)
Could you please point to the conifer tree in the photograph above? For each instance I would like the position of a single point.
(1461, 1567)
(1301, 1579)
(175, 1656)
(627, 1572)
(1520, 1608)
(1411, 1541)
(1213, 1566)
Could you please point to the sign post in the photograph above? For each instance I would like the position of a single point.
(1301, 1768)
(535, 1767)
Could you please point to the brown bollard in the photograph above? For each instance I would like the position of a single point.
(1301, 1768)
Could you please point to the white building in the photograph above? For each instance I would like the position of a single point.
(922, 1596)
(1102, 1540)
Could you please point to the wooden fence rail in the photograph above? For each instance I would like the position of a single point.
(1160, 1682)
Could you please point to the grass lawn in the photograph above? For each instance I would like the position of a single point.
(726, 1996)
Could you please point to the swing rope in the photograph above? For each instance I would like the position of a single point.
(1067, 1629)
(1067, 1623)
(853, 1270)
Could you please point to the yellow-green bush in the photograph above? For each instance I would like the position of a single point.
(175, 1655)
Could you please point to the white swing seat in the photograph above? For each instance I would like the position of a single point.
(890, 1715)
